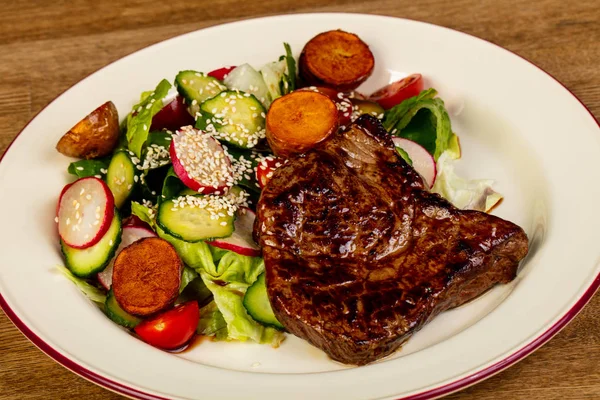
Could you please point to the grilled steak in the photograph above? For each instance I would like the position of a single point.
(360, 255)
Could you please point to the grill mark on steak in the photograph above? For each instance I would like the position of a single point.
(359, 255)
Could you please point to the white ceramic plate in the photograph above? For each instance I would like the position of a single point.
(517, 125)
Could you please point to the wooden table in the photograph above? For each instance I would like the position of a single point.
(45, 47)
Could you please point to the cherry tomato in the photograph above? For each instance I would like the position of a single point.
(341, 100)
(396, 92)
(172, 116)
(265, 169)
(171, 329)
(221, 73)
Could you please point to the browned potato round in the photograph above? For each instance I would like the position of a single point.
(96, 135)
(336, 59)
(147, 276)
(299, 121)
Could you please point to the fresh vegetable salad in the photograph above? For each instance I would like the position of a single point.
(157, 227)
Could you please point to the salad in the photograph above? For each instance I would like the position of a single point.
(156, 228)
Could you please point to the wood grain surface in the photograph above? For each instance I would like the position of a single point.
(47, 46)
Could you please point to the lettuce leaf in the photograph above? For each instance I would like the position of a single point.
(187, 276)
(138, 125)
(463, 193)
(291, 69)
(280, 76)
(85, 168)
(172, 185)
(422, 119)
(227, 275)
(144, 213)
(91, 292)
(212, 322)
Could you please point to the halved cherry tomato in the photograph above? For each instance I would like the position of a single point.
(341, 100)
(265, 169)
(221, 73)
(171, 329)
(172, 116)
(396, 92)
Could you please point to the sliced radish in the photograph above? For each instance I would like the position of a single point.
(265, 169)
(422, 161)
(85, 210)
(130, 234)
(240, 241)
(221, 73)
(200, 161)
(172, 116)
(136, 222)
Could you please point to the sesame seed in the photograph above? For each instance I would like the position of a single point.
(56, 219)
(79, 168)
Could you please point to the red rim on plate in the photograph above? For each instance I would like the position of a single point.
(428, 394)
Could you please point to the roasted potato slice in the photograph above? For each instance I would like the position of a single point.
(146, 276)
(300, 120)
(336, 59)
(94, 136)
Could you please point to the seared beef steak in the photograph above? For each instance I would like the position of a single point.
(359, 255)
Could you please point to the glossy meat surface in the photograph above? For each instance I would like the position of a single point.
(359, 255)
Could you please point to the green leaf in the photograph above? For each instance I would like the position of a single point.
(227, 275)
(91, 292)
(187, 276)
(212, 322)
(394, 114)
(291, 68)
(475, 194)
(172, 186)
(424, 120)
(404, 155)
(85, 168)
(138, 125)
(144, 213)
(195, 290)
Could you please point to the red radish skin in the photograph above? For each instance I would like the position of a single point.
(135, 221)
(206, 178)
(423, 162)
(221, 73)
(265, 169)
(84, 213)
(396, 92)
(130, 234)
(172, 116)
(172, 329)
(240, 241)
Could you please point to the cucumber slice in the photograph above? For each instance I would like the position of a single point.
(196, 87)
(234, 117)
(120, 177)
(361, 107)
(234, 193)
(246, 79)
(196, 218)
(258, 306)
(114, 311)
(87, 262)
